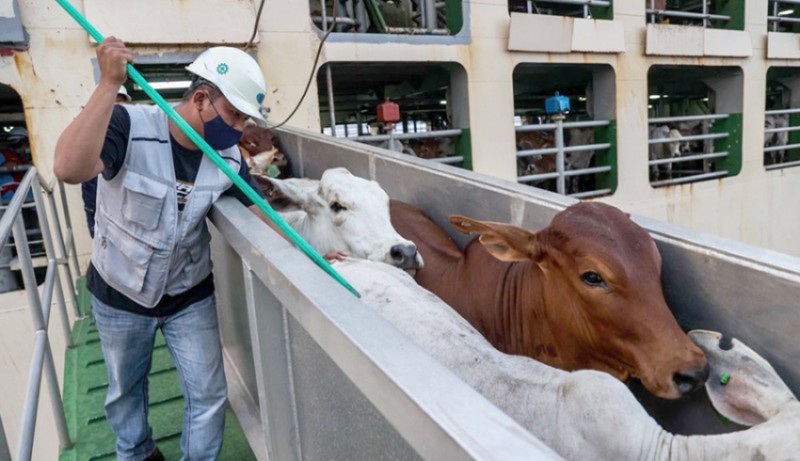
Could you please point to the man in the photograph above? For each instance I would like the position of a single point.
(89, 188)
(151, 264)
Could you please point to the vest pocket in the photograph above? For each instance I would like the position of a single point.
(121, 260)
(143, 200)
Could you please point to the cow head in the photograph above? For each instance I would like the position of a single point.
(742, 385)
(347, 213)
(600, 275)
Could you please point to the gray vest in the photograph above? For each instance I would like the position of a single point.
(142, 247)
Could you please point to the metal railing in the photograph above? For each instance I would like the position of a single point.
(776, 19)
(396, 146)
(531, 7)
(357, 15)
(779, 161)
(705, 16)
(707, 154)
(40, 306)
(560, 150)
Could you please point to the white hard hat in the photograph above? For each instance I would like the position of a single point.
(236, 74)
(124, 93)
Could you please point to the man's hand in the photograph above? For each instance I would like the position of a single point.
(77, 153)
(335, 255)
(113, 57)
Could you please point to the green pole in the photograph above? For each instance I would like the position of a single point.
(213, 155)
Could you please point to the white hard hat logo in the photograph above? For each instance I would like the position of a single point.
(222, 68)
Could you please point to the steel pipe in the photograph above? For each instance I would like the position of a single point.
(693, 178)
(401, 136)
(694, 137)
(585, 171)
(687, 118)
(781, 129)
(68, 225)
(17, 203)
(28, 426)
(685, 14)
(782, 111)
(784, 147)
(579, 2)
(778, 166)
(63, 258)
(416, 31)
(567, 150)
(687, 158)
(783, 19)
(535, 177)
(448, 160)
(591, 193)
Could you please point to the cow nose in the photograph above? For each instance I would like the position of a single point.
(689, 381)
(404, 256)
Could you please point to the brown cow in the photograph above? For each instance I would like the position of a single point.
(583, 293)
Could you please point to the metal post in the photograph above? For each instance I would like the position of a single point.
(561, 180)
(62, 253)
(40, 325)
(430, 13)
(328, 77)
(653, 7)
(585, 10)
(70, 233)
(775, 13)
(705, 12)
(5, 452)
(530, 6)
(41, 213)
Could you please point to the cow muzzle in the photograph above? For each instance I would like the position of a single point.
(405, 256)
(689, 381)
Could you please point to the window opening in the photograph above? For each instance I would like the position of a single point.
(695, 123)
(590, 9)
(782, 118)
(718, 14)
(431, 98)
(588, 151)
(408, 17)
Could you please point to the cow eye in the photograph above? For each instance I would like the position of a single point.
(593, 279)
(337, 207)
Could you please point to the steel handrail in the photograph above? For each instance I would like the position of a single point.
(42, 363)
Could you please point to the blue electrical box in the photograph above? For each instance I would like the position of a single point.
(557, 104)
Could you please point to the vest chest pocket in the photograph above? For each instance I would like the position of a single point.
(143, 200)
(122, 260)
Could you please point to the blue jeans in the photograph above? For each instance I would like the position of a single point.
(192, 337)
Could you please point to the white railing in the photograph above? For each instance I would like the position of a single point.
(396, 145)
(560, 150)
(704, 15)
(40, 306)
(776, 17)
(705, 156)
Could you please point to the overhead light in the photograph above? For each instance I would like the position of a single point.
(664, 96)
(581, 98)
(785, 12)
(655, 96)
(443, 102)
(705, 99)
(649, 106)
(173, 85)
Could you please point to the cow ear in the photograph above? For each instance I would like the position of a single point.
(300, 192)
(741, 384)
(503, 241)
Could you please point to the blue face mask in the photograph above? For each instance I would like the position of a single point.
(218, 134)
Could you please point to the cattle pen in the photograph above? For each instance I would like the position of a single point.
(312, 373)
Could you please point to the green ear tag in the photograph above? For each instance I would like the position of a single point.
(273, 171)
(724, 378)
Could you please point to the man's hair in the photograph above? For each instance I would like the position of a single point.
(198, 83)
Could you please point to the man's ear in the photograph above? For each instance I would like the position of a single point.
(503, 241)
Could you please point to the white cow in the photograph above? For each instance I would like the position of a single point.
(583, 414)
(780, 138)
(342, 212)
(664, 150)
